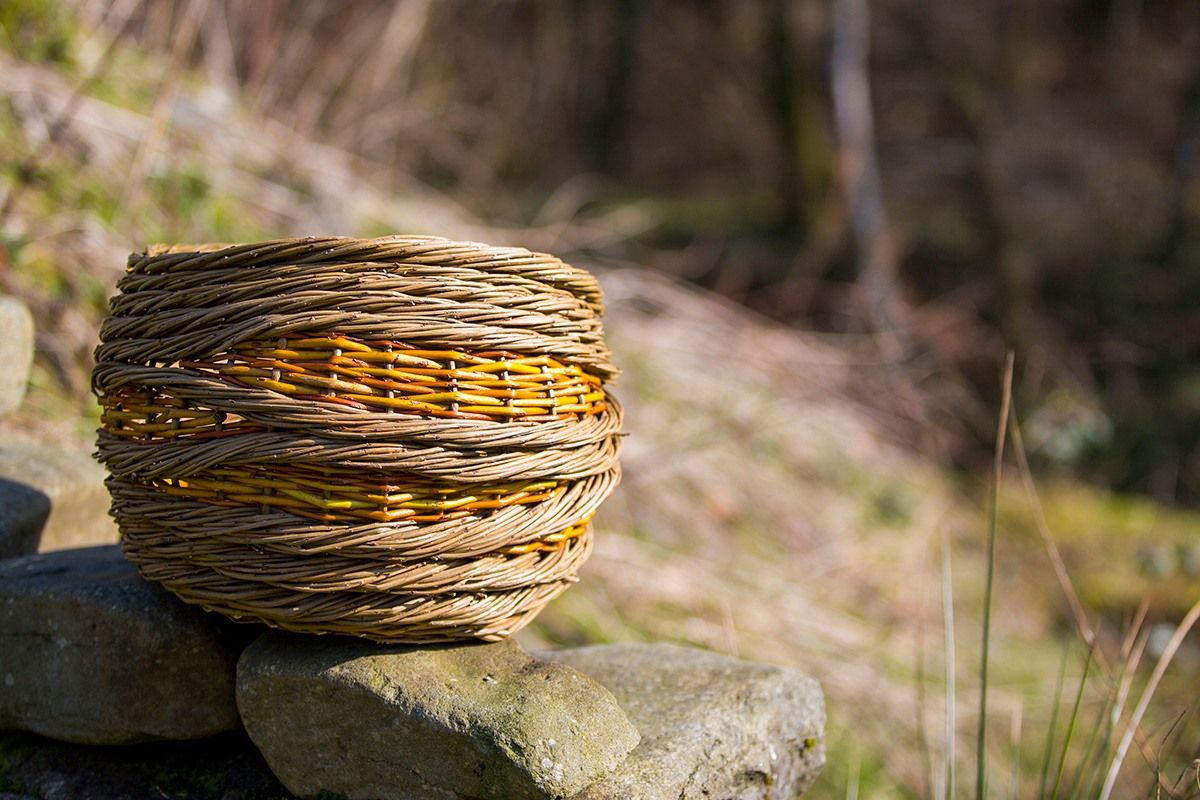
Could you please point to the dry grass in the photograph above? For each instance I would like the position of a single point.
(767, 514)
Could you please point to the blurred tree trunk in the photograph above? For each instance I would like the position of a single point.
(1017, 271)
(796, 107)
(854, 124)
(605, 77)
(1185, 171)
(981, 89)
(780, 81)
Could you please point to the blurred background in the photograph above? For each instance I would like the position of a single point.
(821, 225)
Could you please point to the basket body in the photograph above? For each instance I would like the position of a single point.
(403, 439)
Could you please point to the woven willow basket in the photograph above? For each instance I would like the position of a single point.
(403, 438)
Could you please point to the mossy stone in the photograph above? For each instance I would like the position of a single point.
(711, 726)
(484, 721)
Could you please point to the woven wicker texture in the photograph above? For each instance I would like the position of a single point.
(403, 438)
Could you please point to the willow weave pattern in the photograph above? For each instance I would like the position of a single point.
(401, 438)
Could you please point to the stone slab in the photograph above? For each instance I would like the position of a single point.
(72, 484)
(374, 722)
(224, 767)
(711, 726)
(23, 514)
(92, 653)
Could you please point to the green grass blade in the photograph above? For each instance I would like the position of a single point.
(922, 704)
(951, 678)
(1052, 730)
(1014, 780)
(997, 468)
(1131, 657)
(1066, 747)
(1089, 751)
(1191, 710)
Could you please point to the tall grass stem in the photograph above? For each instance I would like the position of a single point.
(1052, 730)
(951, 678)
(1066, 747)
(997, 467)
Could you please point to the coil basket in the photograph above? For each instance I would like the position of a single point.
(403, 438)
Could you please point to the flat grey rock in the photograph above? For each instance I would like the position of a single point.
(368, 721)
(54, 498)
(23, 514)
(16, 352)
(224, 767)
(712, 726)
(92, 653)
